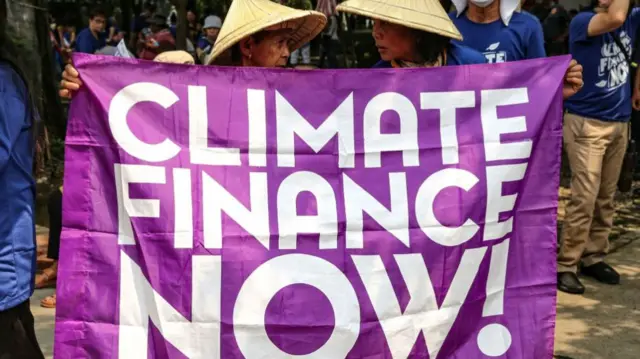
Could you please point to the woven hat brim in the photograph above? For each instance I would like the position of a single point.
(439, 24)
(307, 25)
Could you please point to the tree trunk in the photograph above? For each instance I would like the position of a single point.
(181, 33)
(127, 18)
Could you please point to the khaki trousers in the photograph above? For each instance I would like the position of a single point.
(596, 151)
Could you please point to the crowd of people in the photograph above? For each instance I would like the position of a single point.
(598, 90)
(153, 33)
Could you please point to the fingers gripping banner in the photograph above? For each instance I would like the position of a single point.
(251, 213)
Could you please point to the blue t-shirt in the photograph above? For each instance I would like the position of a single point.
(203, 43)
(17, 190)
(521, 40)
(457, 55)
(88, 44)
(606, 94)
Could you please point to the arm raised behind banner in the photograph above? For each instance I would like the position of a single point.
(608, 20)
(70, 82)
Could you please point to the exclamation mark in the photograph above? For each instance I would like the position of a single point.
(495, 339)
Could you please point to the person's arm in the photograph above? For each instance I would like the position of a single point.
(613, 18)
(12, 113)
(72, 38)
(535, 48)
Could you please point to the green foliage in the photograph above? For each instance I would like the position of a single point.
(55, 165)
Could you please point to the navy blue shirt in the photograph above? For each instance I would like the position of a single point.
(456, 55)
(203, 43)
(17, 188)
(522, 39)
(606, 94)
(88, 44)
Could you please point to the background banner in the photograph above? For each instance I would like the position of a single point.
(251, 213)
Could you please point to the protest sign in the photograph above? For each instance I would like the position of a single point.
(269, 213)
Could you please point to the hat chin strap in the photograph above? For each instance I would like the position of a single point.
(507, 7)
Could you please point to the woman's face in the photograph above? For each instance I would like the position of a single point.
(191, 17)
(394, 42)
(269, 49)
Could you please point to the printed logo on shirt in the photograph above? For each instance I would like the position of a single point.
(494, 56)
(613, 70)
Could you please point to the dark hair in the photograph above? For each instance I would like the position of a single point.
(97, 12)
(236, 53)
(430, 46)
(28, 51)
(150, 6)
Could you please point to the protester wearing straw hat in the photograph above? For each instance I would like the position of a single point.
(262, 33)
(501, 33)
(175, 57)
(411, 33)
(258, 33)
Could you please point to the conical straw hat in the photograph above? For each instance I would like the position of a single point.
(247, 17)
(424, 15)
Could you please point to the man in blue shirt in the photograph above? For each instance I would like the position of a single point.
(494, 28)
(93, 38)
(595, 137)
(17, 227)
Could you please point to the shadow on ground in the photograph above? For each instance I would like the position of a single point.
(605, 321)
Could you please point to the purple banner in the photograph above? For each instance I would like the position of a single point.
(251, 213)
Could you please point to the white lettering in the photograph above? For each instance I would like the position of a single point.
(199, 149)
(290, 122)
(183, 227)
(357, 201)
(375, 142)
(447, 103)
(197, 339)
(425, 199)
(280, 272)
(422, 313)
(217, 199)
(290, 223)
(493, 127)
(122, 103)
(127, 207)
(497, 203)
(257, 128)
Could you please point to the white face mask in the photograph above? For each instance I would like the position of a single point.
(482, 3)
